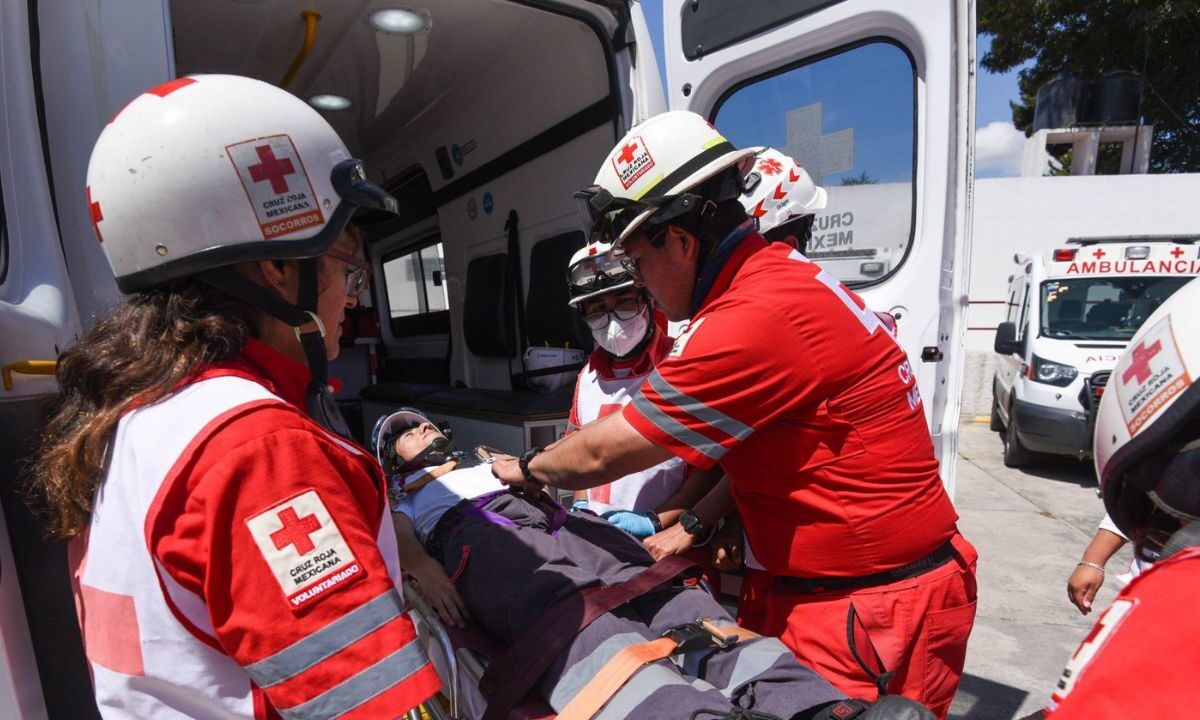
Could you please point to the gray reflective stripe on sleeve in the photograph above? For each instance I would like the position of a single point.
(754, 657)
(690, 405)
(677, 430)
(575, 677)
(334, 637)
(641, 686)
(370, 683)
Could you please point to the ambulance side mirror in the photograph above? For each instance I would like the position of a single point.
(1006, 339)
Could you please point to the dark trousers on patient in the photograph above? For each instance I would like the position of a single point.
(512, 560)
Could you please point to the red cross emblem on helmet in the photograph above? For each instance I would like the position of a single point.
(631, 160)
(770, 166)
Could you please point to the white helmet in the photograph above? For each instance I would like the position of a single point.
(650, 171)
(778, 191)
(594, 270)
(207, 171)
(1147, 443)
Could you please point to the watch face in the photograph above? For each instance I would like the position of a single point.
(690, 523)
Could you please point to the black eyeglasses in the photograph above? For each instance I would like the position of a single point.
(627, 309)
(631, 265)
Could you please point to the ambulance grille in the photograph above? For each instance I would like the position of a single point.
(1093, 389)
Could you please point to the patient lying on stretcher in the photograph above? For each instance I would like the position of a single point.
(482, 553)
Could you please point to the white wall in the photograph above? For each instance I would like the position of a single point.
(1030, 215)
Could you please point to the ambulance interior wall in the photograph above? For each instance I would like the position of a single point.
(1036, 215)
(539, 125)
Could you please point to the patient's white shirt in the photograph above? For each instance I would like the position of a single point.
(426, 505)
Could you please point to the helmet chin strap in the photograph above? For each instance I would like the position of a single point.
(318, 399)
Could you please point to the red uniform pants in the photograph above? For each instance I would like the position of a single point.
(916, 629)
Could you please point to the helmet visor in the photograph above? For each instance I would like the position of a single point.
(349, 179)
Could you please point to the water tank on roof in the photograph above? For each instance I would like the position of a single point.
(1059, 103)
(1069, 101)
(1115, 99)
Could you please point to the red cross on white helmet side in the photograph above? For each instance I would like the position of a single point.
(212, 170)
(1151, 400)
(663, 156)
(779, 190)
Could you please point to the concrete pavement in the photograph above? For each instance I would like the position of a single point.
(1030, 528)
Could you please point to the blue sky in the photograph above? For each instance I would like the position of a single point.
(867, 101)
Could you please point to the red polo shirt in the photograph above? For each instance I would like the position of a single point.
(808, 403)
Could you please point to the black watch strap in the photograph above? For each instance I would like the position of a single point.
(690, 523)
(655, 520)
(523, 462)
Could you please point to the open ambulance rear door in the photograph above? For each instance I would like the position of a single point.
(875, 98)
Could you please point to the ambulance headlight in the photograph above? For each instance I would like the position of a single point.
(1051, 373)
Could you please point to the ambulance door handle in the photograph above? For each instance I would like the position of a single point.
(931, 354)
(27, 367)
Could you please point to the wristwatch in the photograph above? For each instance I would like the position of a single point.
(654, 520)
(691, 524)
(523, 462)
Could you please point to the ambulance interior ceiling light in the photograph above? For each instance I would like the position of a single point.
(1064, 255)
(329, 102)
(1137, 252)
(399, 22)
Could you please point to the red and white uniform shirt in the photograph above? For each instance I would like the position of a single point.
(605, 386)
(240, 562)
(811, 407)
(1140, 659)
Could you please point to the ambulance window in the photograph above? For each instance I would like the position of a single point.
(415, 288)
(848, 118)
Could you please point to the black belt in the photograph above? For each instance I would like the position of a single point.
(933, 560)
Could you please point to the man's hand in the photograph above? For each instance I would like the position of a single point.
(438, 592)
(672, 541)
(1082, 587)
(509, 472)
(728, 552)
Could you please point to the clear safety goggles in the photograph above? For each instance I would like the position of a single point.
(596, 273)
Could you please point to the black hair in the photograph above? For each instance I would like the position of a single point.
(799, 228)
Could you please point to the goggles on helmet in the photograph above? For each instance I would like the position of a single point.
(607, 217)
(596, 273)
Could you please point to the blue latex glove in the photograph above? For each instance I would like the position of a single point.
(580, 505)
(638, 525)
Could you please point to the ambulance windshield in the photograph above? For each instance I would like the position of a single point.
(1103, 308)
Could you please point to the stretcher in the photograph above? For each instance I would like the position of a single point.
(460, 656)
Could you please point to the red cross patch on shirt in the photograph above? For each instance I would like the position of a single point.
(304, 549)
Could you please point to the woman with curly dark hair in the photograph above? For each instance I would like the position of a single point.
(229, 550)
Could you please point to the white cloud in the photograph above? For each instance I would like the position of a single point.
(998, 147)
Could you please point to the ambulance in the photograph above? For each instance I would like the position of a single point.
(481, 117)
(1071, 313)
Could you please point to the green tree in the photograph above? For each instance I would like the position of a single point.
(1158, 38)
(860, 179)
